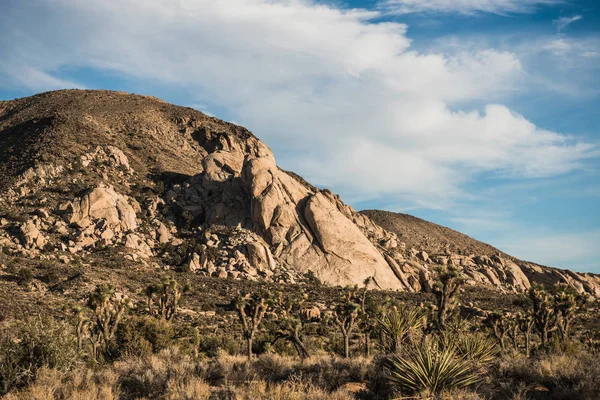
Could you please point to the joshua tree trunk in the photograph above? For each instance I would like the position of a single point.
(300, 348)
(346, 346)
(249, 340)
(367, 344)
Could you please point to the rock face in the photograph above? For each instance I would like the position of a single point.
(102, 203)
(302, 226)
(175, 187)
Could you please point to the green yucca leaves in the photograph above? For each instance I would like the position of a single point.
(476, 347)
(429, 367)
(396, 324)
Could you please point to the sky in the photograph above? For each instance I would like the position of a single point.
(480, 115)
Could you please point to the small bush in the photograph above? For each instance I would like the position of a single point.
(211, 345)
(143, 336)
(24, 277)
(32, 345)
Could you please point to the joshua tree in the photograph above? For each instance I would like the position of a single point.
(445, 289)
(108, 312)
(567, 302)
(525, 323)
(151, 291)
(251, 311)
(345, 317)
(367, 311)
(289, 329)
(499, 325)
(82, 325)
(289, 325)
(512, 330)
(543, 312)
(166, 296)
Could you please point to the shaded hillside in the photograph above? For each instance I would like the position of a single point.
(433, 238)
(57, 127)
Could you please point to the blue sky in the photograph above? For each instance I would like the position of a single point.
(481, 115)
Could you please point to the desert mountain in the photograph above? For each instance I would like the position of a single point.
(169, 187)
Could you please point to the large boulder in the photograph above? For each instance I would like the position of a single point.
(350, 256)
(103, 202)
(30, 235)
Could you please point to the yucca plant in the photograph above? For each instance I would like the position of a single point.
(476, 347)
(396, 324)
(428, 368)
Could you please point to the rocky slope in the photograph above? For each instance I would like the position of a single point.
(171, 188)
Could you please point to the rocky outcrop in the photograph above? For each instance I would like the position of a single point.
(303, 227)
(104, 203)
(31, 237)
(212, 200)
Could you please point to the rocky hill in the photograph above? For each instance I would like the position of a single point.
(418, 233)
(167, 187)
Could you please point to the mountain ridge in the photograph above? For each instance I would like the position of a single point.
(84, 170)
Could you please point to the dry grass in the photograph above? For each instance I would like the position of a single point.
(81, 384)
(173, 375)
(554, 376)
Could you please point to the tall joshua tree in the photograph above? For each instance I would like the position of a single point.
(567, 302)
(543, 312)
(446, 288)
(525, 322)
(251, 310)
(500, 326)
(289, 324)
(108, 311)
(367, 312)
(165, 296)
(345, 317)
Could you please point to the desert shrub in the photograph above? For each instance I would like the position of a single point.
(339, 371)
(52, 277)
(428, 369)
(561, 375)
(156, 376)
(328, 373)
(12, 267)
(24, 276)
(273, 368)
(143, 336)
(34, 344)
(211, 345)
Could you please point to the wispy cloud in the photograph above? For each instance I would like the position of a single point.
(468, 7)
(562, 22)
(347, 101)
(33, 78)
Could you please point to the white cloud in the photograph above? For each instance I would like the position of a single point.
(563, 22)
(348, 102)
(501, 7)
(33, 78)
